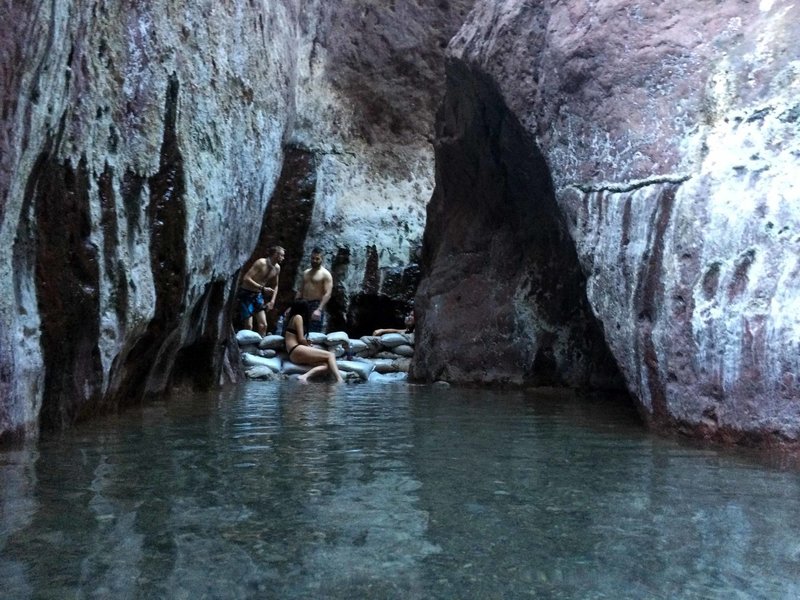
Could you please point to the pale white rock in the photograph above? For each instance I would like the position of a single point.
(275, 342)
(261, 372)
(389, 365)
(316, 338)
(403, 350)
(291, 368)
(363, 368)
(337, 338)
(247, 337)
(253, 360)
(357, 346)
(390, 340)
(388, 377)
(372, 345)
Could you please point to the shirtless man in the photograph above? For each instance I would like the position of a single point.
(316, 290)
(253, 289)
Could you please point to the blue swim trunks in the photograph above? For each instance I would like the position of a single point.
(317, 326)
(249, 303)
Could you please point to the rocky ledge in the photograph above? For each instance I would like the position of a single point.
(369, 358)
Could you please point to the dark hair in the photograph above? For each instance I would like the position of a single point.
(410, 316)
(300, 307)
(316, 250)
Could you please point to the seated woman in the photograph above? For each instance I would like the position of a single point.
(299, 348)
(409, 322)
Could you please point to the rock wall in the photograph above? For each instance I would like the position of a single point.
(367, 91)
(140, 148)
(613, 195)
(122, 167)
(499, 264)
(671, 135)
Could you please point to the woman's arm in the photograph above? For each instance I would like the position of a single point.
(301, 336)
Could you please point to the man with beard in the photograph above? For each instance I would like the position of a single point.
(316, 289)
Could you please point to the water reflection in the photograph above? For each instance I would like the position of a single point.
(293, 491)
(568, 506)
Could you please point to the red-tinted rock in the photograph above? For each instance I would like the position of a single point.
(670, 132)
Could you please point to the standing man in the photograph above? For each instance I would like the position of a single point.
(316, 290)
(253, 290)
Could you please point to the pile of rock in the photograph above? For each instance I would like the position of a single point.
(373, 358)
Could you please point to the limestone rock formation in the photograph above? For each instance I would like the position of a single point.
(360, 168)
(141, 145)
(647, 154)
(123, 130)
(613, 200)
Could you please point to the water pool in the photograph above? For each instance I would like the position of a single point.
(279, 490)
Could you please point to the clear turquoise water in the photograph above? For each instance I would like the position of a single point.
(277, 490)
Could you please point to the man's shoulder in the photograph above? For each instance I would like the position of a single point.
(257, 265)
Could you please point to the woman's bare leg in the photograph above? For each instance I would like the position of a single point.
(308, 374)
(320, 360)
(334, 367)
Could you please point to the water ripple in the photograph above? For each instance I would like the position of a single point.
(391, 491)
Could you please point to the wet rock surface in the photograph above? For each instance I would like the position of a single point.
(613, 202)
(670, 132)
(266, 357)
(140, 152)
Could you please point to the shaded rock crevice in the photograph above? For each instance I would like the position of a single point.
(67, 278)
(145, 369)
(287, 219)
(208, 356)
(498, 260)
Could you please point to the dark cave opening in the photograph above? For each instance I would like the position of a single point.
(503, 296)
(368, 312)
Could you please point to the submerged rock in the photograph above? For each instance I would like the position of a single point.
(260, 372)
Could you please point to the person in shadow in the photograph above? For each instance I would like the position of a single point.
(409, 322)
(299, 348)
